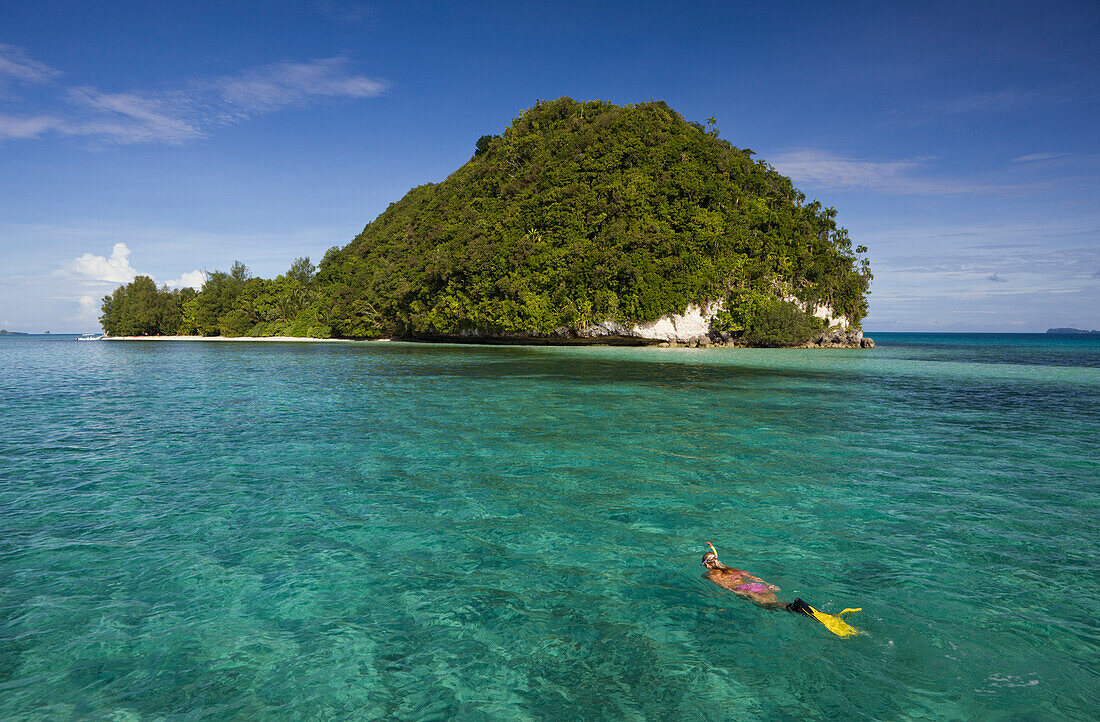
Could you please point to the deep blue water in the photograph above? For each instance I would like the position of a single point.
(199, 530)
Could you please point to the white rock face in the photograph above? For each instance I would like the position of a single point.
(607, 328)
(692, 324)
(826, 313)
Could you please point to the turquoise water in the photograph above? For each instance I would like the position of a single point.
(387, 530)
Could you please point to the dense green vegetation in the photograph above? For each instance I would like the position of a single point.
(578, 213)
(229, 304)
(141, 309)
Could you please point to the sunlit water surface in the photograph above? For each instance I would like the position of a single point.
(386, 530)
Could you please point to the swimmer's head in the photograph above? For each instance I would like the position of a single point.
(710, 560)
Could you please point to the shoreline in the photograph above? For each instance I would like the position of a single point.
(223, 339)
(497, 341)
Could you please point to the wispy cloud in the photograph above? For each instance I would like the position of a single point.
(342, 11)
(1000, 239)
(981, 103)
(990, 101)
(901, 177)
(133, 117)
(12, 127)
(1038, 273)
(1066, 264)
(834, 171)
(971, 273)
(291, 84)
(185, 114)
(1033, 157)
(16, 65)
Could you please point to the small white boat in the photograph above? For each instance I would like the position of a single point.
(90, 337)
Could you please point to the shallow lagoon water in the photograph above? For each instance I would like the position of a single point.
(413, 531)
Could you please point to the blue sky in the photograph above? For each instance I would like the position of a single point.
(959, 141)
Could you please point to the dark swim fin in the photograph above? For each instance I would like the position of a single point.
(800, 607)
(833, 622)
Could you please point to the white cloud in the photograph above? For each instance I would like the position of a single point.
(829, 170)
(184, 114)
(89, 308)
(113, 269)
(87, 311)
(833, 171)
(17, 65)
(132, 117)
(990, 101)
(288, 84)
(191, 279)
(1033, 157)
(32, 127)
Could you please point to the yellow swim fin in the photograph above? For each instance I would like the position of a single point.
(835, 622)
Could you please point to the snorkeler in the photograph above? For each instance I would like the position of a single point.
(744, 584)
(762, 593)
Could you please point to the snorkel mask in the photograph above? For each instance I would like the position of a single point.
(711, 556)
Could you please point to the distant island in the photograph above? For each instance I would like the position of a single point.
(583, 222)
(1070, 330)
(5, 332)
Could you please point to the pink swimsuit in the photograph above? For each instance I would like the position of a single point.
(753, 588)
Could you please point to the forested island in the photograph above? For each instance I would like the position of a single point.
(1071, 331)
(581, 221)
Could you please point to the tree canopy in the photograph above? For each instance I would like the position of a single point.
(141, 309)
(232, 303)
